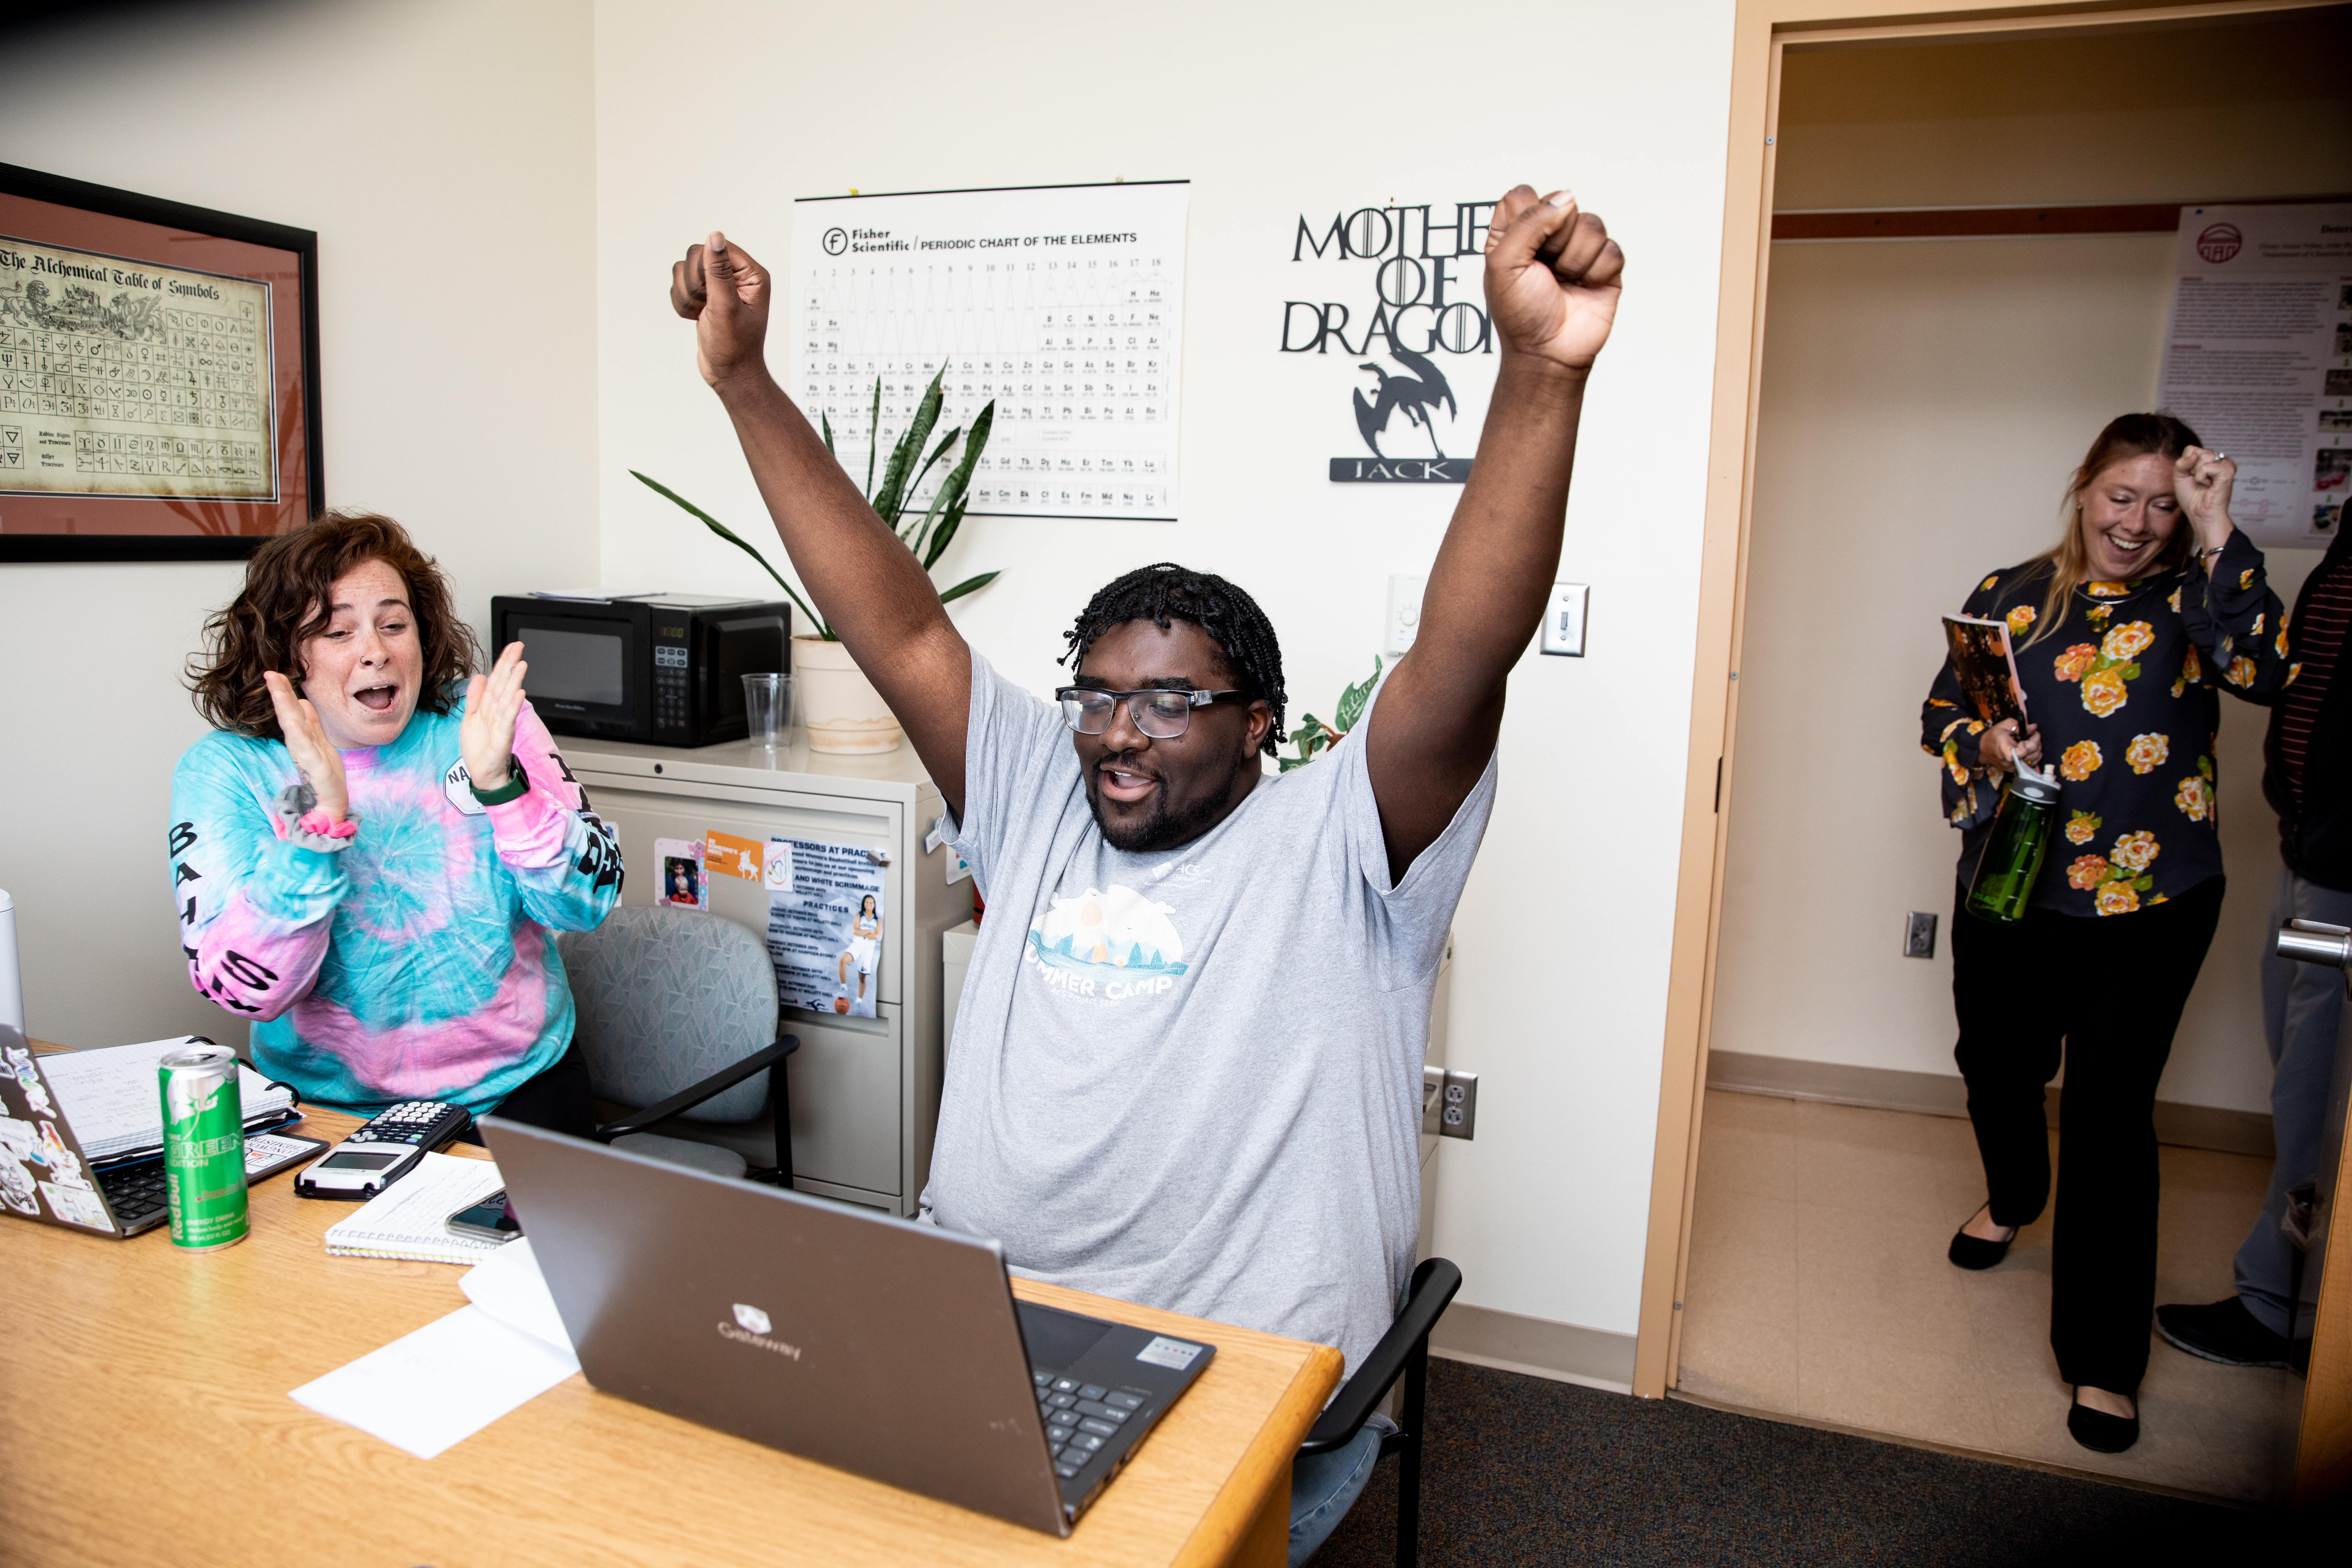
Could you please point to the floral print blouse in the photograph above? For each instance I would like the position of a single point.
(2124, 691)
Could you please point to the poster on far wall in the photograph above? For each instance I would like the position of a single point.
(825, 925)
(2258, 359)
(1062, 305)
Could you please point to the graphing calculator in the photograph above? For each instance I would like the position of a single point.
(380, 1154)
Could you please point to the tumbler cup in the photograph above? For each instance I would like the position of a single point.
(768, 708)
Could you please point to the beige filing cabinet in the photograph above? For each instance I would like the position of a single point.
(955, 962)
(865, 1091)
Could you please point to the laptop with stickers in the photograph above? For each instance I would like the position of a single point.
(870, 1343)
(47, 1174)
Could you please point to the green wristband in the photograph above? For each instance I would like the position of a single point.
(515, 788)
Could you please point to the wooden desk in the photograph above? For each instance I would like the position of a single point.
(144, 1418)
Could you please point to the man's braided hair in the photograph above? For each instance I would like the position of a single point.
(1166, 592)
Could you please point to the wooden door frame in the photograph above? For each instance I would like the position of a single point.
(1760, 31)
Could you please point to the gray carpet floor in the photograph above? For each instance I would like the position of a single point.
(1521, 1469)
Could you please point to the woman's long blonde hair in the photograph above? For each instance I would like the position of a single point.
(2127, 436)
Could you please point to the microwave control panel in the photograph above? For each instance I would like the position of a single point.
(672, 709)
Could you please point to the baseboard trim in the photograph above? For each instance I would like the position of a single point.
(1535, 1347)
(1943, 1094)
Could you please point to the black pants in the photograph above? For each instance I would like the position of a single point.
(2112, 990)
(556, 1098)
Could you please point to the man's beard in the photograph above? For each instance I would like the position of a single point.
(1163, 829)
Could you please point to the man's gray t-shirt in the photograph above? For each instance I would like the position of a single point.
(1193, 1078)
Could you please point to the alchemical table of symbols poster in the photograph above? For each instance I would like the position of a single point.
(131, 380)
(1063, 305)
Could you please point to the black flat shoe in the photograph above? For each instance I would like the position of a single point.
(2100, 1432)
(1975, 1252)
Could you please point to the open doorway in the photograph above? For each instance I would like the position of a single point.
(1920, 405)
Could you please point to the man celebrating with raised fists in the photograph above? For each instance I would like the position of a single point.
(1187, 1069)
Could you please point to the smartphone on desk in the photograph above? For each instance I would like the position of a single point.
(492, 1219)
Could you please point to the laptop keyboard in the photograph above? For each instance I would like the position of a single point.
(1080, 1418)
(134, 1192)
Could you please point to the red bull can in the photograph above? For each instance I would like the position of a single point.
(203, 1148)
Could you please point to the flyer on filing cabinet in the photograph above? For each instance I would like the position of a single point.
(825, 925)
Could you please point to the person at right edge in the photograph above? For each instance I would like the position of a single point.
(1127, 1110)
(2309, 780)
(2150, 602)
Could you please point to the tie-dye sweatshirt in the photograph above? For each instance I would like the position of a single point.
(415, 964)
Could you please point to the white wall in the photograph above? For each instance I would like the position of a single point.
(1271, 111)
(443, 150)
(1923, 404)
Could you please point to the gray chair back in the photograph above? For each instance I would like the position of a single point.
(664, 998)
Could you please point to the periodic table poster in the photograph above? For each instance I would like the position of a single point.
(1061, 304)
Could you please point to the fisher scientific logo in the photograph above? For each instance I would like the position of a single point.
(2220, 242)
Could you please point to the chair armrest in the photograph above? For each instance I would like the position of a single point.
(1432, 1287)
(686, 1099)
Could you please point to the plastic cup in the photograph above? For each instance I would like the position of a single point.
(768, 708)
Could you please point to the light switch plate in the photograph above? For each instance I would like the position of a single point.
(1404, 614)
(1564, 627)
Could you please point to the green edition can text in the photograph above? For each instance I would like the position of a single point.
(203, 1148)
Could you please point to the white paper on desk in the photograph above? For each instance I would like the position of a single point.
(429, 1390)
(509, 1287)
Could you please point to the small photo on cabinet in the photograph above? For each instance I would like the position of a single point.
(2326, 516)
(2332, 469)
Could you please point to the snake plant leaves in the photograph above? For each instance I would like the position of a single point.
(729, 534)
(897, 478)
(969, 584)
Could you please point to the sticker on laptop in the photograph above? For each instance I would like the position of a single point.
(1175, 1354)
(75, 1205)
(16, 1187)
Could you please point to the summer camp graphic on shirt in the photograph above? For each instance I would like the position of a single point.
(1120, 939)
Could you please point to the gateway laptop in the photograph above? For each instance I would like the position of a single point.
(869, 1343)
(47, 1174)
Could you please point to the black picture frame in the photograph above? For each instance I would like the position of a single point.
(108, 201)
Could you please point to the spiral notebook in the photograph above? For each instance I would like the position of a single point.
(410, 1219)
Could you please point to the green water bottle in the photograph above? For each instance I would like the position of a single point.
(2011, 862)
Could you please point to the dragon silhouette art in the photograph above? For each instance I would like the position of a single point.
(1417, 394)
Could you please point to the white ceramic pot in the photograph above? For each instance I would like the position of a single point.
(839, 707)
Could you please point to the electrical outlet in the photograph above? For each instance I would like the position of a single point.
(1563, 626)
(1919, 934)
(1457, 1112)
(1404, 614)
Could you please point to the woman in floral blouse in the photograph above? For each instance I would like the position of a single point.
(2149, 606)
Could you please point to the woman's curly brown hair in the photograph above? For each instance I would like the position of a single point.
(284, 603)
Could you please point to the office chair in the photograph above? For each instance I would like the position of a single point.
(675, 1014)
(1402, 1350)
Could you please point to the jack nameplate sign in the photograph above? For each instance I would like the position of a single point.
(1400, 470)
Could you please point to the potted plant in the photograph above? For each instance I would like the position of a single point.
(1313, 736)
(839, 706)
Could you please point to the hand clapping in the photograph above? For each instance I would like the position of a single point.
(315, 757)
(486, 734)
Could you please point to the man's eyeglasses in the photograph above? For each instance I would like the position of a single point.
(1159, 713)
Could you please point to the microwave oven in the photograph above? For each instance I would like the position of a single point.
(665, 668)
